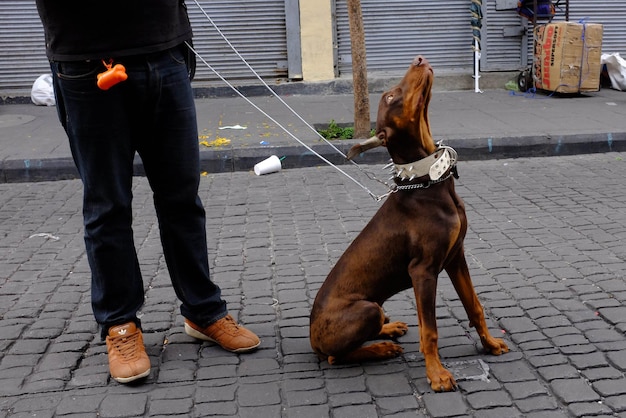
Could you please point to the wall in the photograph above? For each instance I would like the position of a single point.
(316, 33)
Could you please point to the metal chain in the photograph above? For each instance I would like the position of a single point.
(424, 185)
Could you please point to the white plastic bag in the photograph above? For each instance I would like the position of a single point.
(616, 67)
(42, 93)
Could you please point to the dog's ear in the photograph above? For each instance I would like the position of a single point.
(413, 106)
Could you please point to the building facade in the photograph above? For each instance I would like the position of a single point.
(309, 40)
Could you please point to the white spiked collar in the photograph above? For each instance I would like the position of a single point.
(434, 166)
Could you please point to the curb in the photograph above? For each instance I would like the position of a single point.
(538, 146)
(226, 160)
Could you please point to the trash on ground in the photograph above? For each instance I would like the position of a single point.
(42, 93)
(45, 235)
(616, 69)
(219, 142)
(269, 165)
(232, 127)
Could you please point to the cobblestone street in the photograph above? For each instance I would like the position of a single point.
(545, 245)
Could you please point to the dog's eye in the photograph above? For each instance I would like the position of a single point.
(389, 98)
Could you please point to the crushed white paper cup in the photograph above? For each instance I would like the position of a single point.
(269, 165)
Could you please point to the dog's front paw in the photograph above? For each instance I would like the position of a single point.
(495, 346)
(393, 330)
(441, 380)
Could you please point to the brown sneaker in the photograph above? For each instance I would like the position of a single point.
(225, 332)
(128, 360)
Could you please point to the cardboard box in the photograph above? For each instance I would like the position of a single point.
(567, 57)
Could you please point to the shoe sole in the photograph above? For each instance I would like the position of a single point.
(192, 332)
(132, 378)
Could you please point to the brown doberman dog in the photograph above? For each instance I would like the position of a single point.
(417, 233)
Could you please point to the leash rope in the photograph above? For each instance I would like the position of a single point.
(280, 99)
(267, 86)
(280, 125)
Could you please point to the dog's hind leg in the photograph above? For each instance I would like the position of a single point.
(361, 322)
(459, 275)
(377, 351)
(393, 329)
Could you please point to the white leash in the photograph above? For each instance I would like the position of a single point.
(376, 197)
(258, 77)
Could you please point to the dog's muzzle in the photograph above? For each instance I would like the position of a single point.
(370, 143)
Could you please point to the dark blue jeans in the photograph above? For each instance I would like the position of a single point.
(151, 113)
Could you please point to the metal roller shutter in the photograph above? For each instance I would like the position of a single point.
(501, 37)
(22, 45)
(256, 28)
(397, 30)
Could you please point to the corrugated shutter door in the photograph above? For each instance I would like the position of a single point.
(22, 47)
(256, 28)
(398, 30)
(501, 49)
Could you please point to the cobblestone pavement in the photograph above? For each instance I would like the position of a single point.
(545, 247)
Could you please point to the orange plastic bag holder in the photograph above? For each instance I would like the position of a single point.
(113, 75)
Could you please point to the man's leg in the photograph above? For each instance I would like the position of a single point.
(97, 125)
(170, 155)
(171, 160)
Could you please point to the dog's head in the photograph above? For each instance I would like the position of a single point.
(402, 124)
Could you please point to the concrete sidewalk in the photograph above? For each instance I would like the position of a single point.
(492, 124)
